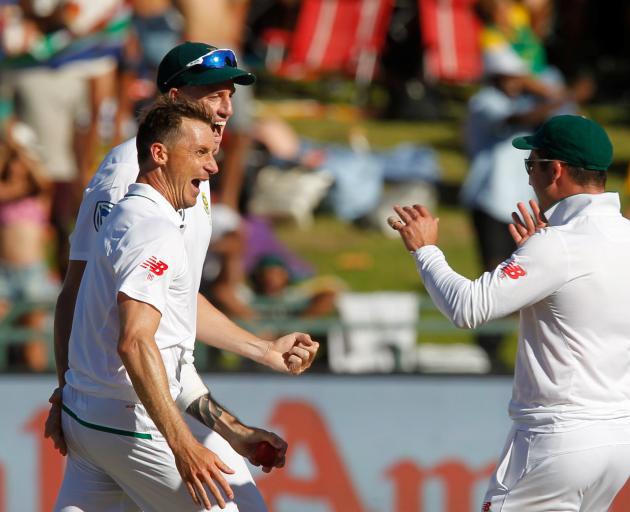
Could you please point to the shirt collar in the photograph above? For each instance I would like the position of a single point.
(579, 205)
(148, 192)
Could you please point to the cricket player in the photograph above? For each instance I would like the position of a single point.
(131, 330)
(203, 73)
(569, 448)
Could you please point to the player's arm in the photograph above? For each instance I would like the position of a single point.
(242, 438)
(141, 357)
(293, 353)
(526, 278)
(64, 312)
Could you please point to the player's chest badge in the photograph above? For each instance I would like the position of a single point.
(101, 210)
(206, 203)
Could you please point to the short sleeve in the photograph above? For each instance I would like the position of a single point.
(147, 261)
(111, 183)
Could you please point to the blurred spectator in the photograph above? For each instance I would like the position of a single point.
(280, 296)
(62, 72)
(156, 27)
(521, 26)
(508, 22)
(24, 216)
(224, 26)
(358, 175)
(502, 109)
(223, 277)
(541, 14)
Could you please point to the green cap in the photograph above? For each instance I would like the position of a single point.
(270, 260)
(172, 71)
(573, 139)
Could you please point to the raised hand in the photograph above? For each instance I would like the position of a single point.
(525, 225)
(416, 226)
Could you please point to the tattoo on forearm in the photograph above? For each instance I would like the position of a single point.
(205, 410)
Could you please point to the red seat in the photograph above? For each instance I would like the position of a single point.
(331, 36)
(450, 33)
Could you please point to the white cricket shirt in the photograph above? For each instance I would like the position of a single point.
(571, 283)
(138, 252)
(118, 170)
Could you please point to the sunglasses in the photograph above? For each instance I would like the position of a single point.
(529, 162)
(215, 59)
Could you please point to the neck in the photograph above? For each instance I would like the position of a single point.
(155, 178)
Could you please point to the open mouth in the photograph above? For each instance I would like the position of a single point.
(218, 128)
(196, 184)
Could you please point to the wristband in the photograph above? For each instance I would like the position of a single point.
(192, 386)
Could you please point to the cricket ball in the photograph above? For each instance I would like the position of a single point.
(265, 454)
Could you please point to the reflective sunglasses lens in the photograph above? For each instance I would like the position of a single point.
(220, 59)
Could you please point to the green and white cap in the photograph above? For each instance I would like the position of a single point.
(200, 64)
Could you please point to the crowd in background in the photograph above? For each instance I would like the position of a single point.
(74, 74)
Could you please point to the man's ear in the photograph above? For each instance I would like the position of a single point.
(558, 169)
(159, 153)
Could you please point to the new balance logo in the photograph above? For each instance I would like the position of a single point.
(154, 265)
(486, 507)
(512, 270)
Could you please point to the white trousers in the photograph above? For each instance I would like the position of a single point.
(113, 472)
(577, 471)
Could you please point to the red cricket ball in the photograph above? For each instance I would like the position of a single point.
(265, 454)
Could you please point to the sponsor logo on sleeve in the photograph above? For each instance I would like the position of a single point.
(206, 203)
(486, 507)
(512, 270)
(154, 266)
(101, 210)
